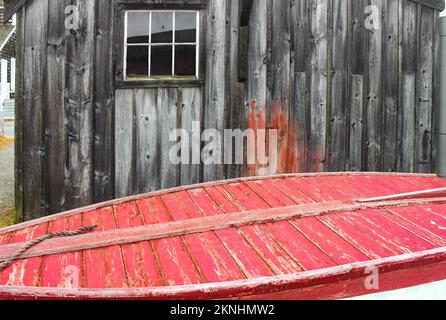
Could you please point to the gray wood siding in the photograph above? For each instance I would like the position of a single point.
(341, 96)
(363, 94)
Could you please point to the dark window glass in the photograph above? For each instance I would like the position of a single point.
(161, 64)
(162, 26)
(138, 27)
(185, 27)
(137, 61)
(185, 60)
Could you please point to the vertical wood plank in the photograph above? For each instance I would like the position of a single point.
(103, 155)
(391, 84)
(319, 73)
(407, 111)
(80, 97)
(191, 105)
(356, 123)
(234, 107)
(301, 79)
(300, 117)
(167, 109)
(281, 89)
(358, 52)
(339, 87)
(124, 116)
(436, 93)
(257, 71)
(424, 98)
(374, 128)
(35, 32)
(55, 116)
(147, 169)
(358, 76)
(18, 152)
(214, 113)
(408, 125)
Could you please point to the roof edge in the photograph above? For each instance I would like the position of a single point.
(11, 7)
(2, 45)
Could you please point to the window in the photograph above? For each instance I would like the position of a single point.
(161, 44)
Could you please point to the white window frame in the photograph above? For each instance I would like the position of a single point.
(173, 44)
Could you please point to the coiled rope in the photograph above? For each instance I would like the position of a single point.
(29, 245)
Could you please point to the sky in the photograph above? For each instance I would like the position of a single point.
(443, 14)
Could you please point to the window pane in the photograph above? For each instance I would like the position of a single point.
(161, 64)
(138, 27)
(137, 61)
(185, 27)
(185, 60)
(162, 26)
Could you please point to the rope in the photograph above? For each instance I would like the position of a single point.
(29, 245)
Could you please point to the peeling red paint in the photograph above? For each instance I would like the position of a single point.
(288, 159)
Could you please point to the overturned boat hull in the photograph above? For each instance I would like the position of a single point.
(311, 236)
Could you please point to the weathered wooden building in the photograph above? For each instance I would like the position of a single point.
(348, 84)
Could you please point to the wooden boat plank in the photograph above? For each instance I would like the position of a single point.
(307, 254)
(395, 238)
(246, 236)
(24, 272)
(437, 210)
(407, 270)
(422, 183)
(206, 249)
(331, 193)
(326, 190)
(103, 267)
(174, 260)
(421, 217)
(375, 185)
(415, 238)
(312, 259)
(352, 235)
(139, 260)
(332, 244)
(291, 191)
(313, 192)
(62, 270)
(415, 229)
(270, 194)
(355, 190)
(200, 225)
(322, 175)
(261, 257)
(5, 238)
(262, 242)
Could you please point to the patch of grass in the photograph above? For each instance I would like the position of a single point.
(5, 141)
(7, 217)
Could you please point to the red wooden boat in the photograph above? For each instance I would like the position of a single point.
(283, 237)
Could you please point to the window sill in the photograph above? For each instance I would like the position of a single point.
(159, 83)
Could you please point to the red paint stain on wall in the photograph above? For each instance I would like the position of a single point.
(288, 160)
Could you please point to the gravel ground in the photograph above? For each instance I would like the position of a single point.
(9, 129)
(7, 177)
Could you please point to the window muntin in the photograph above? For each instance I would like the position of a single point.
(161, 44)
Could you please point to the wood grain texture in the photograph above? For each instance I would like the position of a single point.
(103, 149)
(288, 236)
(34, 153)
(340, 95)
(215, 96)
